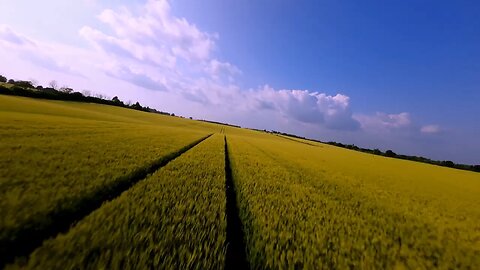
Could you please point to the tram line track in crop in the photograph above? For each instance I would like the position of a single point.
(63, 221)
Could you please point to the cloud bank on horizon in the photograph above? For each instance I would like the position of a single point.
(167, 62)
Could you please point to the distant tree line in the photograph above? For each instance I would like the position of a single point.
(390, 153)
(30, 89)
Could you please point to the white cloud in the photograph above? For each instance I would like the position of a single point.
(161, 48)
(137, 78)
(41, 54)
(9, 37)
(154, 32)
(430, 129)
(305, 106)
(218, 70)
(382, 122)
(123, 48)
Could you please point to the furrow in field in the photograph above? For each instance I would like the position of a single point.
(235, 256)
(26, 240)
(174, 219)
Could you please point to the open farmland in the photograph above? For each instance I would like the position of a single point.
(59, 164)
(172, 219)
(94, 186)
(317, 206)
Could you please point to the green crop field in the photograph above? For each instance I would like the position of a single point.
(102, 187)
(317, 206)
(173, 219)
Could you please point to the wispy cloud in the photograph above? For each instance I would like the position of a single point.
(430, 129)
(137, 78)
(41, 54)
(7, 35)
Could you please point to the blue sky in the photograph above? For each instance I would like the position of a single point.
(400, 75)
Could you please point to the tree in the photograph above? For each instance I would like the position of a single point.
(137, 106)
(390, 153)
(116, 100)
(3, 79)
(66, 89)
(448, 163)
(24, 84)
(77, 96)
(53, 84)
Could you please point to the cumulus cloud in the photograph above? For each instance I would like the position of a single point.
(384, 122)
(307, 107)
(155, 26)
(124, 48)
(218, 70)
(151, 34)
(157, 44)
(430, 129)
